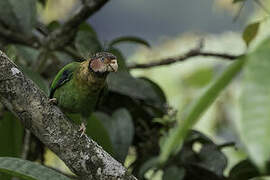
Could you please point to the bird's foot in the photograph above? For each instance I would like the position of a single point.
(83, 129)
(53, 101)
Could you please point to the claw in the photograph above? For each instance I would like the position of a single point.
(53, 101)
(83, 129)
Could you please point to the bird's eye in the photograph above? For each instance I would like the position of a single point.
(102, 59)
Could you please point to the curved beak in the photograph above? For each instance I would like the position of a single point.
(113, 66)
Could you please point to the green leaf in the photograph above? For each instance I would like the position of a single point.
(250, 32)
(261, 178)
(124, 83)
(87, 27)
(140, 89)
(86, 41)
(243, 170)
(28, 170)
(131, 39)
(157, 102)
(195, 172)
(121, 131)
(173, 173)
(212, 159)
(10, 127)
(255, 105)
(86, 44)
(97, 131)
(18, 15)
(192, 114)
(209, 158)
(161, 97)
(147, 165)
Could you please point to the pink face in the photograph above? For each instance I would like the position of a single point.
(97, 65)
(104, 64)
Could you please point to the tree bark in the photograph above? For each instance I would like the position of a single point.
(81, 154)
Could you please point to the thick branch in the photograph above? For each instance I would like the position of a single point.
(81, 154)
(190, 54)
(61, 36)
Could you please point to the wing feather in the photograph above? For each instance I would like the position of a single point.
(63, 76)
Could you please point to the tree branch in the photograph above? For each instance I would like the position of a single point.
(63, 35)
(192, 53)
(81, 154)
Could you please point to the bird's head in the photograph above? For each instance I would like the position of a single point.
(103, 63)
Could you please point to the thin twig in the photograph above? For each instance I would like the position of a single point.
(190, 54)
(239, 11)
(228, 144)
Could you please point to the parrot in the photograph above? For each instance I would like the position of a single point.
(78, 86)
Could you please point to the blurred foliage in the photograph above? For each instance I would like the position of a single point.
(194, 111)
(10, 127)
(19, 16)
(148, 114)
(120, 140)
(86, 41)
(28, 170)
(255, 109)
(49, 9)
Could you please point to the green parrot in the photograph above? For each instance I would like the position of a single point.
(78, 87)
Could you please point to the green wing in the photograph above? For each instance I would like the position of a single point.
(63, 76)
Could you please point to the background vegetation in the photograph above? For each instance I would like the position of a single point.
(146, 118)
